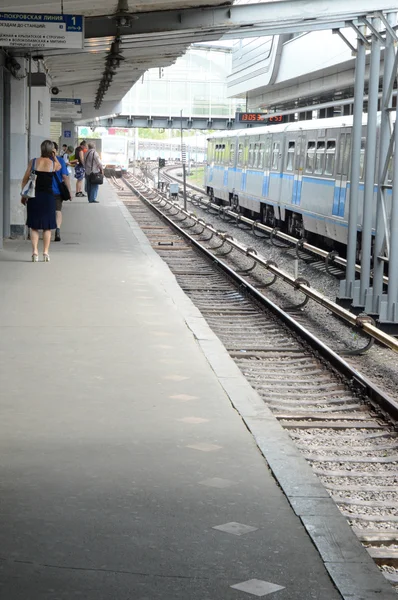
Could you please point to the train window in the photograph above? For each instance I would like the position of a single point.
(210, 154)
(310, 160)
(320, 157)
(276, 146)
(260, 157)
(290, 156)
(251, 156)
(340, 159)
(267, 153)
(232, 153)
(330, 157)
(347, 154)
(255, 156)
(240, 155)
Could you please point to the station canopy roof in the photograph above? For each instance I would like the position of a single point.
(77, 73)
(159, 31)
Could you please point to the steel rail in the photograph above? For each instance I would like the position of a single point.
(362, 322)
(254, 224)
(375, 395)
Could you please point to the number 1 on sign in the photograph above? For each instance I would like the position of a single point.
(74, 20)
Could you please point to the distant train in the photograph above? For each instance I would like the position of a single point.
(114, 153)
(295, 176)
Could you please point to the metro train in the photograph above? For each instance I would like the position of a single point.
(294, 176)
(114, 154)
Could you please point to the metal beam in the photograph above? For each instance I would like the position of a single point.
(124, 119)
(382, 238)
(387, 25)
(293, 15)
(370, 167)
(392, 300)
(145, 121)
(355, 169)
(347, 42)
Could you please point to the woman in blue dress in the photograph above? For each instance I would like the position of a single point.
(41, 208)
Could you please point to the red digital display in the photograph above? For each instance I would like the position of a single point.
(262, 118)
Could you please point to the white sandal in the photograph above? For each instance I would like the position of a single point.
(46, 258)
(35, 258)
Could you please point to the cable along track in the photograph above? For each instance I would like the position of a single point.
(352, 448)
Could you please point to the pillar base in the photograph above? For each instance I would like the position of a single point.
(357, 309)
(17, 232)
(344, 302)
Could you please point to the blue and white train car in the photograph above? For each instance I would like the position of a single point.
(295, 176)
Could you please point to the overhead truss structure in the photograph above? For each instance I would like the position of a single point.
(159, 122)
(267, 18)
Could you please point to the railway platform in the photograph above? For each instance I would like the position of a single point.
(128, 468)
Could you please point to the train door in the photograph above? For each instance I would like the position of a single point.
(342, 169)
(295, 157)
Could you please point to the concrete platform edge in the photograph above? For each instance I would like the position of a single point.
(350, 567)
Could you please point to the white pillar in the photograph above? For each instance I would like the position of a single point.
(19, 127)
(68, 134)
(18, 153)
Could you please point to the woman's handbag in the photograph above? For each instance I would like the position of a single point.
(29, 189)
(95, 178)
(63, 188)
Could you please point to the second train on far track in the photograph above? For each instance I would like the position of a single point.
(294, 176)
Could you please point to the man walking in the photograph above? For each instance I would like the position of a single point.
(62, 173)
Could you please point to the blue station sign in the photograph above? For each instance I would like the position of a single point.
(35, 31)
(63, 108)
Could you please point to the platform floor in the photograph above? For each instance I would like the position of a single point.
(122, 458)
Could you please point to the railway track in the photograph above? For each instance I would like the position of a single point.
(344, 426)
(296, 248)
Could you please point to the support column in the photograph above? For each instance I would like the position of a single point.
(6, 154)
(385, 136)
(18, 153)
(370, 169)
(392, 302)
(1, 154)
(68, 134)
(347, 287)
